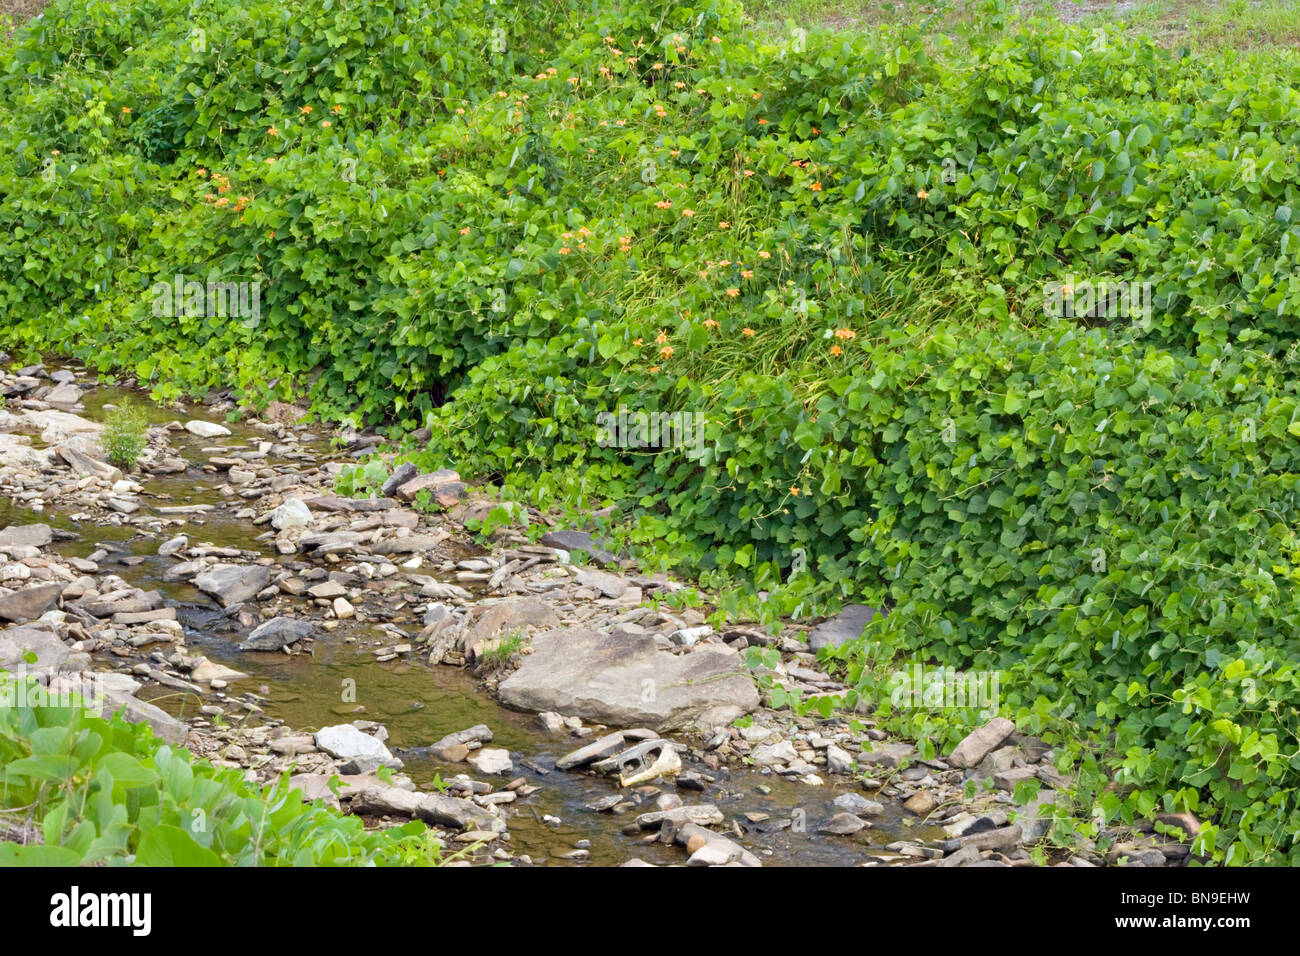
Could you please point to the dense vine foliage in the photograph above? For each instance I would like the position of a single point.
(501, 221)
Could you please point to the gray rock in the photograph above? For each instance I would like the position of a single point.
(29, 603)
(292, 514)
(26, 535)
(479, 733)
(345, 742)
(233, 583)
(491, 760)
(277, 633)
(980, 743)
(629, 681)
(842, 824)
(770, 755)
(448, 811)
(609, 585)
(606, 746)
(580, 541)
(401, 474)
(206, 429)
(845, 626)
(16, 642)
(859, 805)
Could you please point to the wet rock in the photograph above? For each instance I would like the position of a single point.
(845, 626)
(981, 742)
(858, 805)
(233, 583)
(206, 429)
(606, 746)
(277, 633)
(26, 536)
(920, 803)
(629, 681)
(27, 604)
(292, 514)
(842, 824)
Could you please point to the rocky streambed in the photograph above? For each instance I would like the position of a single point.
(538, 701)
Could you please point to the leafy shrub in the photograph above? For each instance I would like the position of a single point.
(105, 791)
(125, 435)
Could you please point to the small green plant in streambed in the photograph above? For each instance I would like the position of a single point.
(125, 435)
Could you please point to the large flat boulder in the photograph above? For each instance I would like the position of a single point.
(26, 535)
(627, 680)
(233, 583)
(29, 603)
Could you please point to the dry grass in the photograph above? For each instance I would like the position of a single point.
(16, 12)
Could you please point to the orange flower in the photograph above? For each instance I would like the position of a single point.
(304, 110)
(845, 334)
(126, 110)
(664, 204)
(794, 490)
(717, 39)
(272, 131)
(465, 231)
(666, 351)
(748, 173)
(565, 250)
(271, 234)
(637, 342)
(710, 324)
(661, 338)
(764, 254)
(724, 225)
(200, 171)
(836, 350)
(337, 109)
(816, 187)
(688, 213)
(922, 195)
(747, 331)
(733, 292)
(762, 122)
(325, 123)
(747, 274)
(654, 368)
